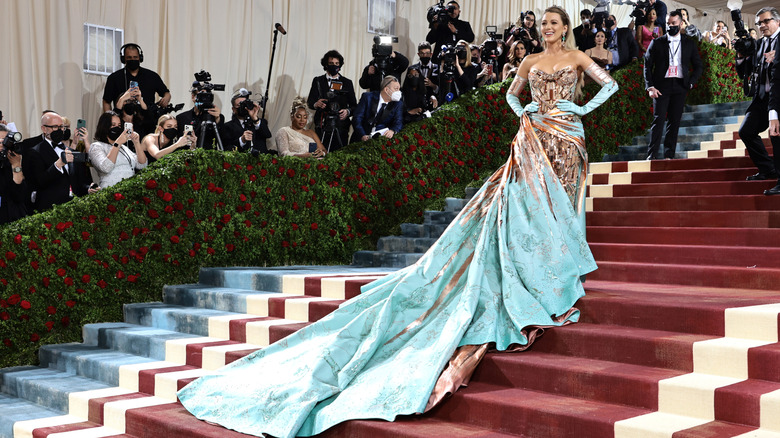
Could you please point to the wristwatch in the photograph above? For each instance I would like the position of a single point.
(17, 170)
(116, 145)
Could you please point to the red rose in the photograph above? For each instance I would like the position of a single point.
(14, 299)
(174, 239)
(68, 281)
(10, 255)
(118, 196)
(34, 264)
(120, 275)
(226, 218)
(25, 305)
(102, 284)
(314, 226)
(153, 214)
(45, 281)
(61, 272)
(290, 173)
(34, 337)
(51, 310)
(49, 325)
(91, 252)
(86, 278)
(230, 247)
(151, 184)
(5, 316)
(332, 233)
(18, 238)
(65, 321)
(132, 278)
(75, 246)
(70, 303)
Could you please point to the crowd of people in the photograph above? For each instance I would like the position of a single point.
(137, 127)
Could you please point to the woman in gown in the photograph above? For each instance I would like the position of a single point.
(508, 266)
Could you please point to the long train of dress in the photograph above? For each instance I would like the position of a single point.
(508, 265)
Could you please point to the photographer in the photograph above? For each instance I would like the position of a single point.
(203, 110)
(584, 33)
(427, 69)
(386, 62)
(54, 172)
(134, 84)
(719, 35)
(379, 112)
(246, 131)
(446, 27)
(332, 96)
(754, 65)
(14, 191)
(487, 66)
(109, 154)
(415, 96)
(459, 74)
(525, 30)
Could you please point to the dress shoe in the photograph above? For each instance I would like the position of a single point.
(761, 176)
(773, 191)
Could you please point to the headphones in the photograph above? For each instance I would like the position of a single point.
(133, 45)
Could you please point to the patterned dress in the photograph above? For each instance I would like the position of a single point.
(508, 266)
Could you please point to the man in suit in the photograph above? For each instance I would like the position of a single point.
(53, 179)
(334, 111)
(583, 34)
(427, 69)
(199, 114)
(621, 42)
(246, 131)
(450, 32)
(755, 69)
(668, 78)
(774, 94)
(379, 112)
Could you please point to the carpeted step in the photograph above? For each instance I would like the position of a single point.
(532, 413)
(695, 275)
(691, 176)
(710, 255)
(698, 189)
(685, 236)
(384, 259)
(688, 203)
(590, 379)
(704, 219)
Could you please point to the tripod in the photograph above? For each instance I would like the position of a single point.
(330, 131)
(206, 124)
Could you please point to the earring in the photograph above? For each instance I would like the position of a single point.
(563, 38)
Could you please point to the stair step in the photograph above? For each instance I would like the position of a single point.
(14, 409)
(688, 203)
(709, 255)
(722, 237)
(272, 279)
(45, 387)
(704, 219)
(695, 275)
(691, 176)
(698, 189)
(380, 258)
(405, 244)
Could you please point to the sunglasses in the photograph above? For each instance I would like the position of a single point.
(765, 21)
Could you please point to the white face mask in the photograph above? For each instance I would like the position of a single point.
(396, 96)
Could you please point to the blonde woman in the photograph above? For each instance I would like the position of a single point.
(296, 140)
(161, 143)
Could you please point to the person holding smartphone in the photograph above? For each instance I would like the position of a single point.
(109, 154)
(166, 139)
(296, 140)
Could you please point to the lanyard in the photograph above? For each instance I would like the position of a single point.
(673, 55)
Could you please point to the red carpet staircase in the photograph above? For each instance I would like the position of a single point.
(678, 335)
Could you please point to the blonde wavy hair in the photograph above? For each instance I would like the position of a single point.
(161, 121)
(298, 103)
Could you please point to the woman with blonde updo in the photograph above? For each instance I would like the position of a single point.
(296, 140)
(161, 143)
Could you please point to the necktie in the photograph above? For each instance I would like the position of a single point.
(379, 113)
(763, 67)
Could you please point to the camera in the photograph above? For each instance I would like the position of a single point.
(490, 46)
(9, 144)
(639, 14)
(382, 52)
(743, 44)
(160, 110)
(247, 104)
(204, 98)
(439, 13)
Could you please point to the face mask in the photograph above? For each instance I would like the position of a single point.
(130, 108)
(333, 69)
(462, 56)
(424, 60)
(673, 30)
(609, 24)
(133, 64)
(170, 133)
(414, 81)
(56, 137)
(396, 96)
(115, 132)
(66, 134)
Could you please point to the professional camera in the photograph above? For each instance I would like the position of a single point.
(161, 110)
(9, 144)
(382, 52)
(439, 13)
(247, 105)
(204, 98)
(601, 13)
(743, 44)
(490, 46)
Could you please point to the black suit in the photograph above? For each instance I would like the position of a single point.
(430, 71)
(757, 116)
(669, 105)
(233, 130)
(52, 186)
(774, 91)
(441, 35)
(346, 100)
(13, 197)
(396, 66)
(189, 118)
(584, 38)
(625, 42)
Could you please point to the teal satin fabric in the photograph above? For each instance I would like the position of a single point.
(510, 261)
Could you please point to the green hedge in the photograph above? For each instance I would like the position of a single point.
(79, 262)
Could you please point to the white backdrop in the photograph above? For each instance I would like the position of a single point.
(42, 46)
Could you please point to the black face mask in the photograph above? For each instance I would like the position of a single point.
(609, 24)
(673, 30)
(333, 70)
(133, 64)
(461, 56)
(66, 134)
(170, 133)
(424, 60)
(115, 132)
(56, 137)
(414, 81)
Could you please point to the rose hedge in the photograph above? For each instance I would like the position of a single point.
(79, 262)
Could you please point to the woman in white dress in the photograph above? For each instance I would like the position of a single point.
(295, 140)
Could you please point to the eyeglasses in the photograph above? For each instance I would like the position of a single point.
(765, 21)
(54, 126)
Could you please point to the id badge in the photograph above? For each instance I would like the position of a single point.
(672, 72)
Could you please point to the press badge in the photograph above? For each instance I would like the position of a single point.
(673, 71)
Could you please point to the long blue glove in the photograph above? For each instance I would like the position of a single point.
(517, 107)
(607, 90)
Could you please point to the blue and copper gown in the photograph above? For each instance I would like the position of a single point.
(508, 266)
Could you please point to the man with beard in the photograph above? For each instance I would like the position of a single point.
(133, 85)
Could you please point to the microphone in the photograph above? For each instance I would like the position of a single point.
(279, 27)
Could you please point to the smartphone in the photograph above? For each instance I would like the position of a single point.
(81, 123)
(188, 129)
(128, 128)
(78, 157)
(312, 147)
(133, 84)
